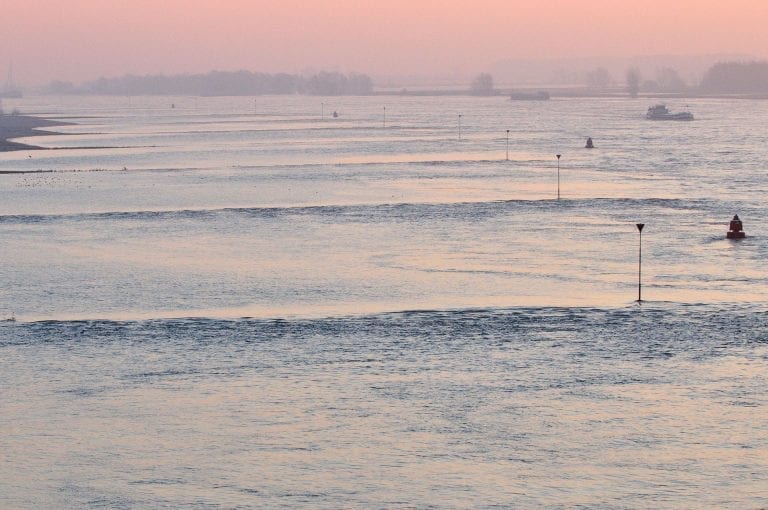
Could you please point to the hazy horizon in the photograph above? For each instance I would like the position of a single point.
(82, 40)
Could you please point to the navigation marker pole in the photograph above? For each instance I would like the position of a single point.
(507, 144)
(558, 175)
(640, 264)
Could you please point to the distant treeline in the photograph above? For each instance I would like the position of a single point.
(736, 78)
(722, 78)
(222, 83)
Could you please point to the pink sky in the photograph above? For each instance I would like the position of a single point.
(83, 39)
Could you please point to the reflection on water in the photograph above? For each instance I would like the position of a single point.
(238, 303)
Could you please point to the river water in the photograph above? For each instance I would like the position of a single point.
(238, 302)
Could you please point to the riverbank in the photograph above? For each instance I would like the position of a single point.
(563, 92)
(18, 126)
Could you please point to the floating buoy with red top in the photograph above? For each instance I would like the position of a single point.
(736, 229)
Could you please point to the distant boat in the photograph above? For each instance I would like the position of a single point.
(539, 95)
(661, 112)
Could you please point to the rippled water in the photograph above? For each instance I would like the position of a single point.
(238, 303)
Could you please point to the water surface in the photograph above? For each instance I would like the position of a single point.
(239, 303)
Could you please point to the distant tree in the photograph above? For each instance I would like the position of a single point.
(633, 81)
(736, 78)
(359, 84)
(281, 83)
(326, 83)
(60, 87)
(482, 85)
(669, 81)
(598, 78)
(334, 83)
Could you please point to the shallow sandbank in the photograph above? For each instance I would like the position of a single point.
(17, 126)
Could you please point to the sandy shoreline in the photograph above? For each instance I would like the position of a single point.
(17, 126)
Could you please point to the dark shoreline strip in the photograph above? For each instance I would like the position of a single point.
(18, 126)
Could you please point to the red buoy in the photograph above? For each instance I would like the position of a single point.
(736, 229)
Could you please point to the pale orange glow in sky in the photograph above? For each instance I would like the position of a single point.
(84, 39)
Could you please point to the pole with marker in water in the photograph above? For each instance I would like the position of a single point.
(640, 264)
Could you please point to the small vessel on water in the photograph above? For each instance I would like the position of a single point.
(661, 112)
(539, 95)
(735, 229)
